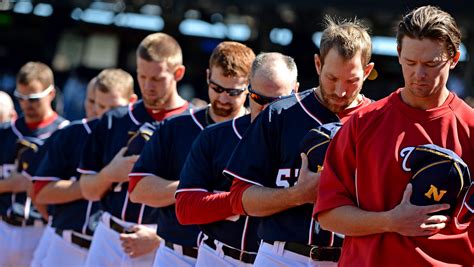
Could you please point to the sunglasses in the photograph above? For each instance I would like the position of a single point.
(33, 97)
(263, 100)
(219, 89)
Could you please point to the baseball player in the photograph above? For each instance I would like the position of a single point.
(266, 162)
(104, 165)
(369, 200)
(56, 180)
(202, 196)
(48, 233)
(155, 176)
(21, 225)
(89, 102)
(7, 109)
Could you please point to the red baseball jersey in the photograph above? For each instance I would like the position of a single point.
(372, 174)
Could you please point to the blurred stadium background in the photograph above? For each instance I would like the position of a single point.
(78, 38)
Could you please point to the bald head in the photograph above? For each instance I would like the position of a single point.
(7, 109)
(274, 66)
(272, 75)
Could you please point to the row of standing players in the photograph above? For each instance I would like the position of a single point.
(240, 186)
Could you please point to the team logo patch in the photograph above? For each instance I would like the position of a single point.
(438, 175)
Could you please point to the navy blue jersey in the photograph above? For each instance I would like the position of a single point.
(20, 151)
(203, 172)
(60, 162)
(164, 156)
(113, 131)
(268, 155)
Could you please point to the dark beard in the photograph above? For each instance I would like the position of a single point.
(220, 111)
(327, 101)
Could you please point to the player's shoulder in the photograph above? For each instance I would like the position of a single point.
(462, 111)
(5, 130)
(80, 125)
(13, 127)
(92, 123)
(286, 106)
(376, 108)
(114, 116)
(5, 125)
(117, 112)
(289, 101)
(217, 127)
(227, 126)
(61, 122)
(364, 119)
(184, 118)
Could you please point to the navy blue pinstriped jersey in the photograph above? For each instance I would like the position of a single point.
(113, 132)
(268, 155)
(60, 162)
(203, 172)
(21, 145)
(164, 156)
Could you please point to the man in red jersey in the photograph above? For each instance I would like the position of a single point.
(363, 192)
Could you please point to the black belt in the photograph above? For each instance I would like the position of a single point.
(118, 228)
(187, 251)
(76, 239)
(232, 252)
(314, 252)
(20, 221)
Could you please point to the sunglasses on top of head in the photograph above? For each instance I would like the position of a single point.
(263, 100)
(33, 97)
(219, 89)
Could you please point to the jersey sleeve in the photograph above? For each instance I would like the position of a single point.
(253, 158)
(92, 153)
(194, 207)
(31, 163)
(337, 184)
(197, 172)
(152, 160)
(54, 161)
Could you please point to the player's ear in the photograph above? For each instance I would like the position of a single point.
(317, 63)
(133, 98)
(52, 94)
(208, 75)
(455, 59)
(368, 69)
(179, 73)
(399, 52)
(296, 87)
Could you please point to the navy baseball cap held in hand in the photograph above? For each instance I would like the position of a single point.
(139, 138)
(439, 176)
(26, 149)
(316, 142)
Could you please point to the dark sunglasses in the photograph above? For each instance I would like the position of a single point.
(219, 89)
(263, 100)
(33, 97)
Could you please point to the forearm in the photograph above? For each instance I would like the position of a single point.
(5, 186)
(154, 191)
(353, 221)
(202, 207)
(93, 186)
(261, 201)
(42, 209)
(15, 183)
(59, 192)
